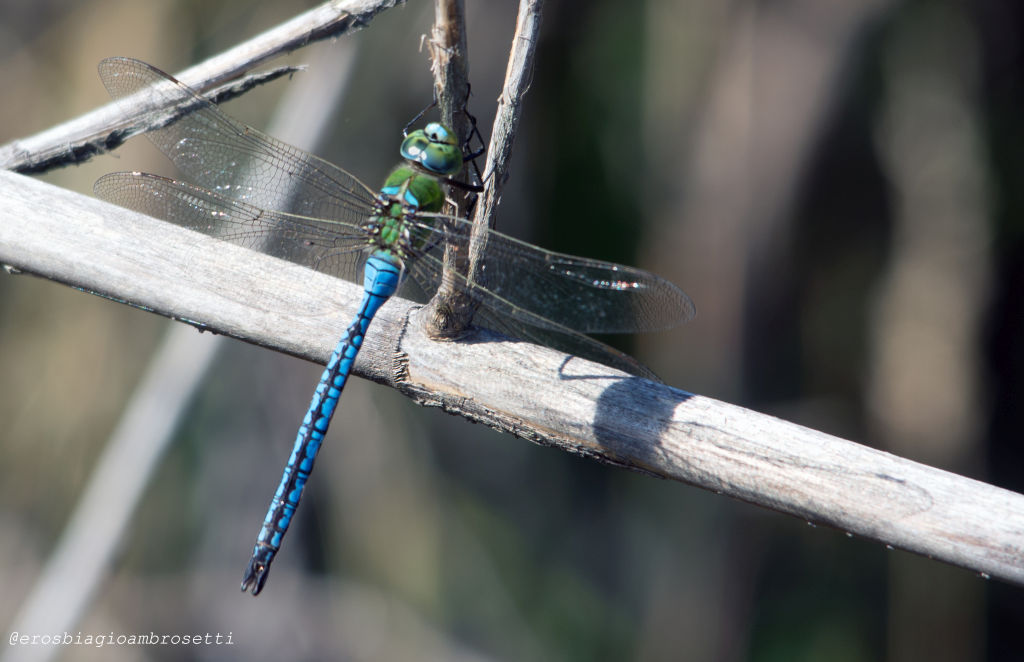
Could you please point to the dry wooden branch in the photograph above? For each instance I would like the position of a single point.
(450, 312)
(81, 138)
(533, 392)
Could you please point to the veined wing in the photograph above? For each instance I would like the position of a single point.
(585, 295)
(231, 158)
(332, 246)
(554, 299)
(498, 314)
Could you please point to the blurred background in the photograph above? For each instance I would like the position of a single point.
(836, 185)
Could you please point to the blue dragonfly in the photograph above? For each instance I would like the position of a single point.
(253, 190)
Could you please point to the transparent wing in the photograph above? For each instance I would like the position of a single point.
(334, 247)
(232, 159)
(525, 291)
(589, 296)
(554, 299)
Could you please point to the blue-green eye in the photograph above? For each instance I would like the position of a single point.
(434, 149)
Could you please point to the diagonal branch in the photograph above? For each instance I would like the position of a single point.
(98, 131)
(533, 392)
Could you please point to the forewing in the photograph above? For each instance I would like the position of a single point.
(554, 299)
(334, 247)
(585, 295)
(230, 158)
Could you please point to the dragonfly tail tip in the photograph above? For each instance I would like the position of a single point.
(255, 576)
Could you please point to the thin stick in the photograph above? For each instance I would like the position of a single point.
(449, 62)
(89, 134)
(449, 312)
(518, 76)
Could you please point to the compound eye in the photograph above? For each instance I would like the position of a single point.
(437, 133)
(434, 149)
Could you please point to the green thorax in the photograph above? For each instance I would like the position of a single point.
(420, 191)
(415, 186)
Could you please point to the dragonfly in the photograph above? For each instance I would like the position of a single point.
(250, 189)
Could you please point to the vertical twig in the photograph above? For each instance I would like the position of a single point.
(450, 312)
(518, 76)
(449, 64)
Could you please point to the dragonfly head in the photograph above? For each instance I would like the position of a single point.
(434, 149)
